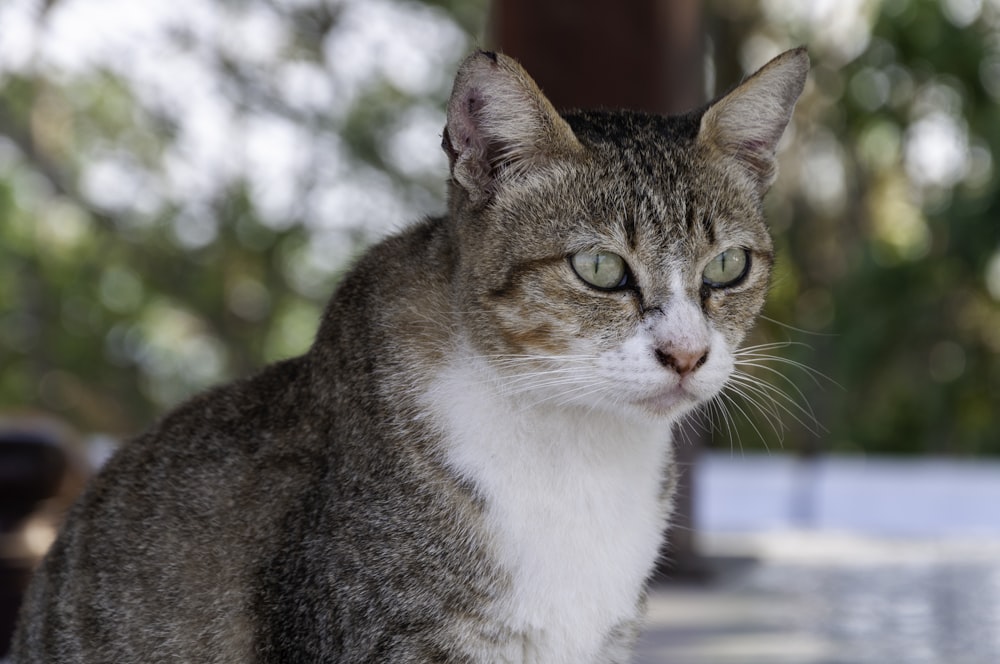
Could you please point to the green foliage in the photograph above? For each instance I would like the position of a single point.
(181, 188)
(886, 210)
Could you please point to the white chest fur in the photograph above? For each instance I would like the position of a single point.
(574, 506)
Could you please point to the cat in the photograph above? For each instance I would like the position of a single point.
(472, 463)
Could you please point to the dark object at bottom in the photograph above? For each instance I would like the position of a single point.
(32, 468)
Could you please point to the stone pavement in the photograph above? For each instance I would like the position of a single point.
(825, 598)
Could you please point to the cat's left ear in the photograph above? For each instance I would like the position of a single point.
(748, 122)
(500, 125)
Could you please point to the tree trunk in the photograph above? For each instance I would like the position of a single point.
(642, 54)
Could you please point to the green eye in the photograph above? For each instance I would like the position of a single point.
(727, 268)
(600, 269)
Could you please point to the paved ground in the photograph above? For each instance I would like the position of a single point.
(820, 598)
(840, 561)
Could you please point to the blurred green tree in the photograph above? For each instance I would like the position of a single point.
(181, 183)
(886, 217)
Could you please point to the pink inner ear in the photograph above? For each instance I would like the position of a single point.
(473, 101)
(466, 141)
(464, 134)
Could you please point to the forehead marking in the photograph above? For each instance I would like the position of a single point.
(676, 280)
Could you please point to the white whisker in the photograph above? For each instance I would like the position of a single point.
(795, 329)
(757, 395)
(749, 419)
(747, 355)
(768, 393)
(777, 395)
(771, 370)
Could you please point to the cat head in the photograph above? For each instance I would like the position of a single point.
(611, 258)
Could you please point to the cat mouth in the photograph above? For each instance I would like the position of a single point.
(668, 401)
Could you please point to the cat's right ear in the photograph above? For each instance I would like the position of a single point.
(747, 123)
(500, 125)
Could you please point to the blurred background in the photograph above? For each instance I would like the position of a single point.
(182, 183)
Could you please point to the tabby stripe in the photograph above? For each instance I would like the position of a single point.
(631, 234)
(517, 272)
(708, 225)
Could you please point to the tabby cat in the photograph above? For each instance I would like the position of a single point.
(472, 463)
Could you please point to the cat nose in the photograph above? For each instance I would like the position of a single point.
(682, 361)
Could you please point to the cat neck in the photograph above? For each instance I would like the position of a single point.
(575, 502)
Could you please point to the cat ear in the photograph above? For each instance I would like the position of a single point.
(499, 125)
(748, 122)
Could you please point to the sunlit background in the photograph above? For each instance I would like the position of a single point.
(182, 183)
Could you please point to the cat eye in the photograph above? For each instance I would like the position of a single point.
(727, 268)
(600, 269)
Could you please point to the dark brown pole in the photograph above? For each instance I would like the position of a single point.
(636, 54)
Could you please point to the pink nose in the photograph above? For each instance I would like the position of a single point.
(682, 361)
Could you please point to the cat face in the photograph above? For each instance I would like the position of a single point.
(610, 260)
(605, 283)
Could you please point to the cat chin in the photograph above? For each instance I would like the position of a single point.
(671, 403)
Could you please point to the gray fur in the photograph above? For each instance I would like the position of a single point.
(306, 514)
